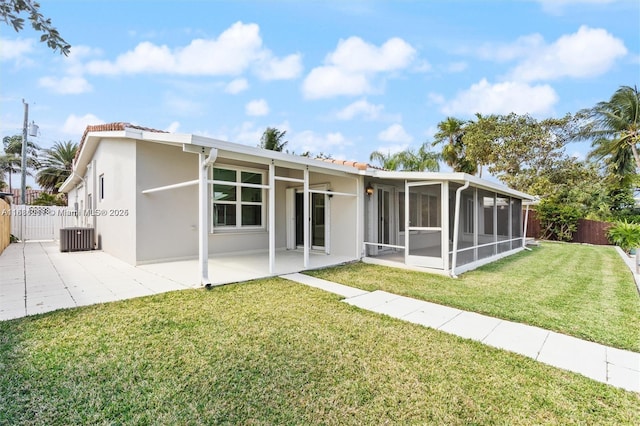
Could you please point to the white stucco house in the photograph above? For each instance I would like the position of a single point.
(153, 196)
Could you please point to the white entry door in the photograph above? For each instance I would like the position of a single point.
(318, 220)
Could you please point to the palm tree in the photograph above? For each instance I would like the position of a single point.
(419, 161)
(56, 165)
(451, 134)
(11, 160)
(408, 160)
(387, 161)
(614, 127)
(272, 139)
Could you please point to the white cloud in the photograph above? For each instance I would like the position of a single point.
(356, 55)
(328, 82)
(349, 69)
(396, 134)
(587, 53)
(77, 125)
(317, 143)
(66, 85)
(502, 98)
(233, 52)
(362, 108)
(247, 134)
(286, 68)
(236, 86)
(14, 49)
(257, 107)
(173, 127)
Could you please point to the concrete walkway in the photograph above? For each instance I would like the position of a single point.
(35, 277)
(608, 365)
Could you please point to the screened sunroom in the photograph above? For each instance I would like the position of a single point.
(446, 222)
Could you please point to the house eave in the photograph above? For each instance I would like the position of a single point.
(450, 177)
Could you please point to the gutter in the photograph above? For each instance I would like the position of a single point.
(203, 217)
(456, 229)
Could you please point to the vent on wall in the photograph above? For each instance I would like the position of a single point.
(76, 239)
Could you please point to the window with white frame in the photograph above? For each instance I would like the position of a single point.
(238, 198)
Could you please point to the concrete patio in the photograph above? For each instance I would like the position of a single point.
(35, 277)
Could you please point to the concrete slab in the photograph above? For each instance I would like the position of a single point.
(432, 315)
(621, 358)
(38, 276)
(519, 338)
(325, 285)
(471, 326)
(399, 307)
(371, 300)
(623, 378)
(573, 354)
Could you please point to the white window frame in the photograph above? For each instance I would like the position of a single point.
(238, 227)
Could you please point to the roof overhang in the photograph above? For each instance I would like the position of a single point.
(194, 144)
(450, 177)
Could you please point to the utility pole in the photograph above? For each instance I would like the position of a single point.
(23, 187)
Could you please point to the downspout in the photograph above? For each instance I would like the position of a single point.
(203, 217)
(94, 202)
(76, 203)
(524, 232)
(456, 229)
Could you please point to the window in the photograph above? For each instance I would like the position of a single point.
(240, 203)
(101, 184)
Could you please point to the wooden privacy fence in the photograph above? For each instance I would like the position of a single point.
(5, 225)
(588, 232)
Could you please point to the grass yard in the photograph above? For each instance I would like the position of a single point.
(579, 290)
(275, 352)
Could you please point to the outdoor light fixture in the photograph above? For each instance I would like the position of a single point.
(369, 190)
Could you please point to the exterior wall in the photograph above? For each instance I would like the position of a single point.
(115, 225)
(343, 218)
(166, 221)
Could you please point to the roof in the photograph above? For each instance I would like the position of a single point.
(126, 130)
(110, 127)
(357, 165)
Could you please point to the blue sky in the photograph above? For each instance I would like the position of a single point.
(343, 78)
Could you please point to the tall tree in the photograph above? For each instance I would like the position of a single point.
(10, 11)
(273, 139)
(614, 128)
(56, 165)
(515, 148)
(419, 160)
(11, 160)
(387, 161)
(450, 135)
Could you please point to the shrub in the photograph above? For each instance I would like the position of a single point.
(625, 234)
(558, 221)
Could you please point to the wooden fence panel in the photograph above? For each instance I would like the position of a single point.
(588, 232)
(5, 225)
(591, 232)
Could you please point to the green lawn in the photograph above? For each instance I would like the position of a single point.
(584, 291)
(275, 352)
